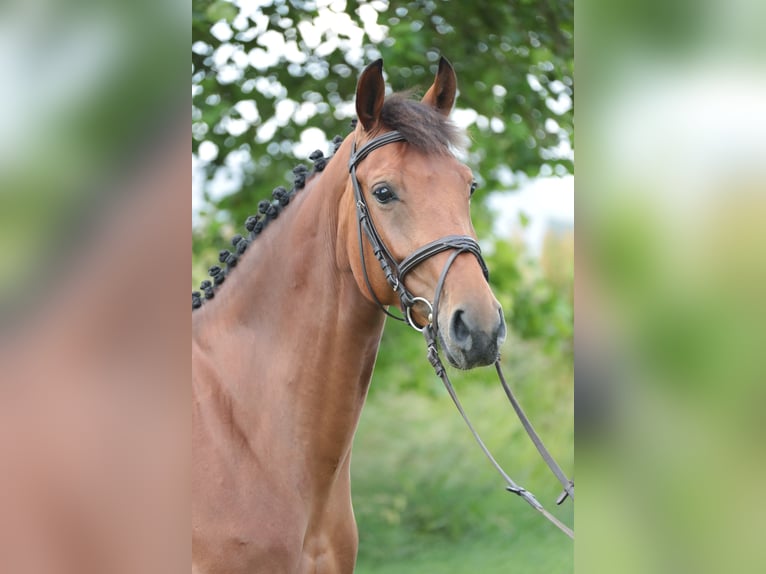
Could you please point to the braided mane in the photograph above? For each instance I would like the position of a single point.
(268, 210)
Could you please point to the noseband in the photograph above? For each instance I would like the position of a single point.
(396, 271)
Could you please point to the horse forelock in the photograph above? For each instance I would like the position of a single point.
(423, 126)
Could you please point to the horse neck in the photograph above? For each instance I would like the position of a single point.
(291, 333)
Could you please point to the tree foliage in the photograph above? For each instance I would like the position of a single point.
(514, 62)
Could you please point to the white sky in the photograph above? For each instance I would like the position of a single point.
(544, 200)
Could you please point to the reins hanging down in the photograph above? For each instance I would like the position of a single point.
(395, 272)
(430, 332)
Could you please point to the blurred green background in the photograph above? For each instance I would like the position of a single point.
(271, 82)
(84, 105)
(671, 269)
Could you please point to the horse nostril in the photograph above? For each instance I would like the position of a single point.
(474, 339)
(501, 330)
(459, 330)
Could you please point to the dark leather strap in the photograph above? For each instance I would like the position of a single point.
(364, 221)
(460, 242)
(372, 145)
(555, 468)
(393, 270)
(430, 333)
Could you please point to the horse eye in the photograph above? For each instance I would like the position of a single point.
(474, 186)
(383, 194)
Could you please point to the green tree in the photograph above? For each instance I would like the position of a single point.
(514, 62)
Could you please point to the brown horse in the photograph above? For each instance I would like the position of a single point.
(283, 353)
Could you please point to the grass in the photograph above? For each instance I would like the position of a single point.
(426, 499)
(515, 556)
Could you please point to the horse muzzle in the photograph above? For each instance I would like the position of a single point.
(468, 341)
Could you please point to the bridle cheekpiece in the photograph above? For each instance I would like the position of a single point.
(394, 271)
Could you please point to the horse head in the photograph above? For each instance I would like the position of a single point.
(412, 199)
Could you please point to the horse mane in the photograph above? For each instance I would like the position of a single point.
(423, 127)
(268, 210)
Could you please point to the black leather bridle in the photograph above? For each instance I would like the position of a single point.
(395, 273)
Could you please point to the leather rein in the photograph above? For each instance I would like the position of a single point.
(395, 273)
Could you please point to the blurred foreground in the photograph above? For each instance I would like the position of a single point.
(94, 212)
(671, 270)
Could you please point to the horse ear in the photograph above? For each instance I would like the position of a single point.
(441, 95)
(370, 93)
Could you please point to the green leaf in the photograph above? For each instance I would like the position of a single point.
(221, 10)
